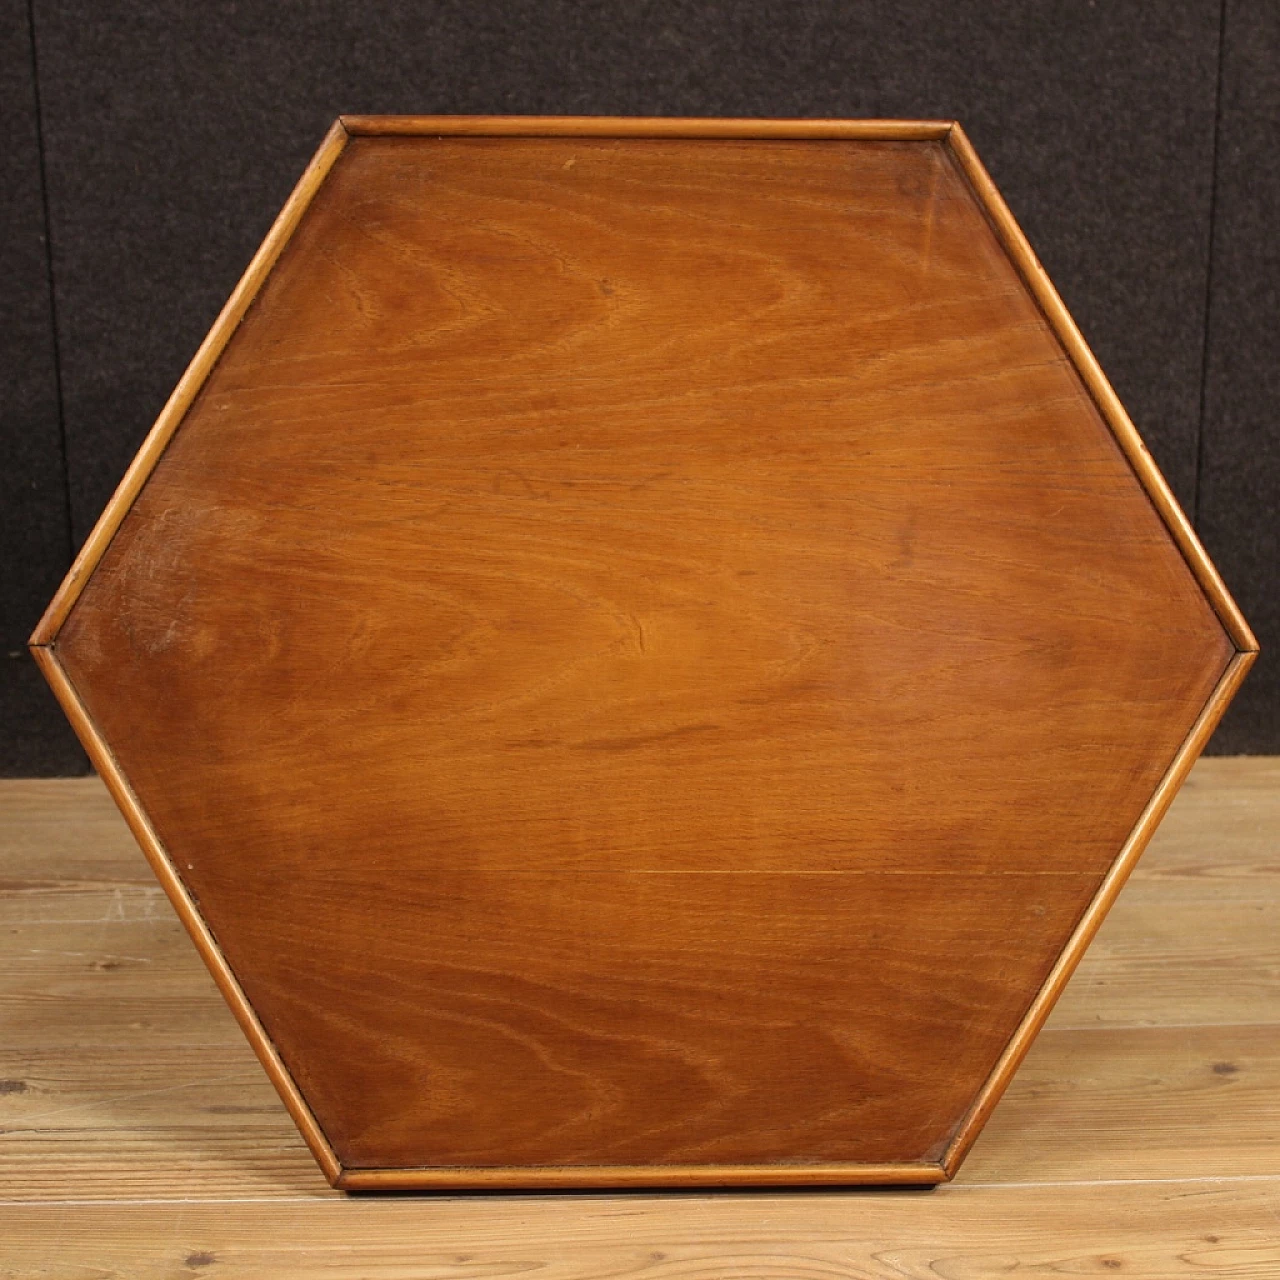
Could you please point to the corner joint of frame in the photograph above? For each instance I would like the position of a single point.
(45, 634)
(956, 138)
(952, 1158)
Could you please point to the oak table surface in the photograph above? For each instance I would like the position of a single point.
(642, 651)
(141, 1140)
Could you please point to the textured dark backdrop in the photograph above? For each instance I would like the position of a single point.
(150, 146)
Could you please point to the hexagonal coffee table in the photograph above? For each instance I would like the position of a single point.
(642, 651)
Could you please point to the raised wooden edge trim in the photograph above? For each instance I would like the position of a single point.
(640, 127)
(1161, 496)
(1096, 911)
(189, 386)
(1023, 257)
(185, 906)
(1206, 574)
(1037, 280)
(568, 1177)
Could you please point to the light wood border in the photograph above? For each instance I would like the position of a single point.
(1033, 274)
(1113, 412)
(641, 127)
(43, 644)
(1042, 1005)
(107, 767)
(639, 1176)
(189, 385)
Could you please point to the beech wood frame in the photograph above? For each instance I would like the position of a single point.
(44, 639)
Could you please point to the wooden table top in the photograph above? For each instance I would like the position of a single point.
(643, 659)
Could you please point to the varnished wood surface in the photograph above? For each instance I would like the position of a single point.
(642, 651)
(140, 1139)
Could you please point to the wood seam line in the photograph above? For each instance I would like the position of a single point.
(187, 910)
(189, 385)
(1042, 1005)
(1113, 412)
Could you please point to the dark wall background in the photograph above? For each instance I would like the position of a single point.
(150, 146)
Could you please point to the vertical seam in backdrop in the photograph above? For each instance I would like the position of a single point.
(1205, 352)
(70, 548)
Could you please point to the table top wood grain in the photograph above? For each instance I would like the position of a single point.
(639, 656)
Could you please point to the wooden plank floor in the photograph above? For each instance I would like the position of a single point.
(139, 1138)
